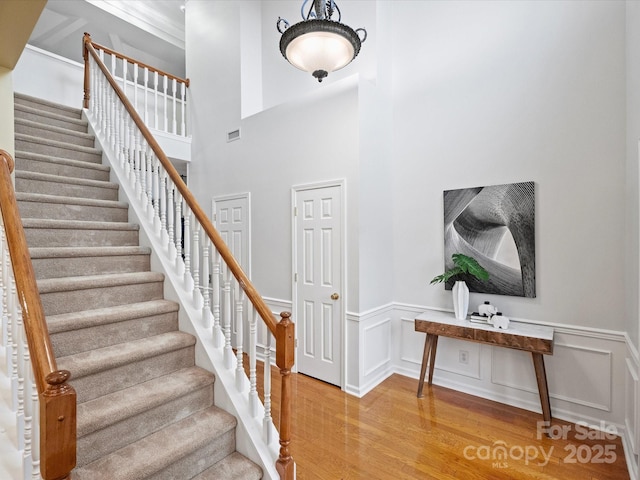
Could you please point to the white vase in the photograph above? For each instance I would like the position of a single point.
(460, 293)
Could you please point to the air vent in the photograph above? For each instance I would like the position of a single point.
(233, 135)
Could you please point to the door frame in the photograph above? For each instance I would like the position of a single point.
(342, 186)
(214, 218)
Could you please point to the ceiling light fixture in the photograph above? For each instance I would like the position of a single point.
(319, 44)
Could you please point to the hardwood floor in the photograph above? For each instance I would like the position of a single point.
(392, 434)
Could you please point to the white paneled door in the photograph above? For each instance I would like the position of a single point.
(318, 277)
(231, 215)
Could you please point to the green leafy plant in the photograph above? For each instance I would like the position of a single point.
(464, 265)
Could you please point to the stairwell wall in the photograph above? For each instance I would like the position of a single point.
(6, 111)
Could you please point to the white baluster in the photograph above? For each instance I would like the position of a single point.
(4, 285)
(163, 207)
(146, 92)
(27, 460)
(149, 190)
(35, 437)
(125, 69)
(139, 164)
(254, 401)
(195, 262)
(154, 163)
(179, 236)
(241, 377)
(120, 156)
(14, 312)
(130, 151)
(175, 124)
(166, 114)
(226, 317)
(19, 344)
(155, 102)
(113, 66)
(135, 87)
(266, 421)
(183, 127)
(207, 317)
(188, 279)
(218, 336)
(171, 220)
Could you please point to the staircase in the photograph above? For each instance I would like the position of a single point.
(144, 409)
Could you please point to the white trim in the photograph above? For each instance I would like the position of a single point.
(342, 185)
(55, 56)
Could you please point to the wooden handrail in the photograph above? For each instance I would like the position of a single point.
(57, 397)
(263, 310)
(283, 331)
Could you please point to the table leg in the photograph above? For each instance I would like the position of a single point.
(423, 368)
(432, 357)
(543, 389)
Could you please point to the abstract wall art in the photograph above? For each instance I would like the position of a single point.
(496, 226)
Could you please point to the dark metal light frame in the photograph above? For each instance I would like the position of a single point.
(318, 20)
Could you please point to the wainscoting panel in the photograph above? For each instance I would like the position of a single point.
(369, 349)
(378, 356)
(631, 406)
(586, 373)
(513, 369)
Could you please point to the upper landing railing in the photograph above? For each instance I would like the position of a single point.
(159, 97)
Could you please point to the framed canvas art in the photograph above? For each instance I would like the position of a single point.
(496, 226)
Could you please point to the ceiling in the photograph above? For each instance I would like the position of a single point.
(150, 31)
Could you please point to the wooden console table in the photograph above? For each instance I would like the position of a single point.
(521, 336)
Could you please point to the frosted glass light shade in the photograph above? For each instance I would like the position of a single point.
(319, 46)
(319, 51)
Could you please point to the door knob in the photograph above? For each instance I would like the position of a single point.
(335, 296)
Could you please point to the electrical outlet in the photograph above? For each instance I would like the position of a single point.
(463, 357)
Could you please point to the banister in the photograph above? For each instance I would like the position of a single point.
(261, 307)
(283, 331)
(56, 397)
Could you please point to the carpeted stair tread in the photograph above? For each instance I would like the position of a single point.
(84, 330)
(22, 155)
(45, 198)
(65, 284)
(101, 412)
(165, 448)
(53, 132)
(232, 467)
(56, 143)
(77, 224)
(48, 177)
(107, 358)
(42, 105)
(57, 262)
(64, 322)
(65, 206)
(70, 252)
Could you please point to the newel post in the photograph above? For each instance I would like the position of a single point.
(85, 54)
(58, 427)
(285, 355)
(58, 431)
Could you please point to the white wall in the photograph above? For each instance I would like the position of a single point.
(633, 152)
(306, 141)
(51, 77)
(6, 111)
(448, 95)
(506, 92)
